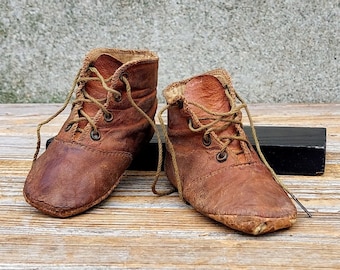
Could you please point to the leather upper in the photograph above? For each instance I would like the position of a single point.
(240, 192)
(77, 171)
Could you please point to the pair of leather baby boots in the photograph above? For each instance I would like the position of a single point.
(209, 158)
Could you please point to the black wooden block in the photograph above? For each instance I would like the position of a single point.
(288, 150)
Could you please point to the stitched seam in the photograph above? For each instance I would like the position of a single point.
(223, 169)
(90, 149)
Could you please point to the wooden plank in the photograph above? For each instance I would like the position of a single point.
(135, 229)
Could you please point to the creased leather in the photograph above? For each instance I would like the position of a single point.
(240, 192)
(77, 172)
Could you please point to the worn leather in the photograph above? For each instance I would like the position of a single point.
(240, 192)
(77, 172)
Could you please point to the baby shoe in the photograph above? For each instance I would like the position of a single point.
(110, 120)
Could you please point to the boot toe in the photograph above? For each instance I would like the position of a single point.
(63, 183)
(254, 225)
(254, 205)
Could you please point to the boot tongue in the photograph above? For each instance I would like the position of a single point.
(207, 91)
(106, 66)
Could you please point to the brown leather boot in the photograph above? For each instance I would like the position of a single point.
(107, 126)
(213, 165)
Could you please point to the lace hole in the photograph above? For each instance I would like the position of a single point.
(190, 124)
(123, 74)
(206, 140)
(68, 127)
(95, 135)
(118, 98)
(221, 156)
(49, 141)
(108, 117)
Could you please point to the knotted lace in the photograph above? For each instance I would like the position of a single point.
(219, 122)
(85, 97)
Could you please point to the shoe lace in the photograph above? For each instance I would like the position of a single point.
(219, 122)
(85, 97)
(41, 124)
(232, 117)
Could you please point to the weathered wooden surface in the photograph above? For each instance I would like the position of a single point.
(135, 229)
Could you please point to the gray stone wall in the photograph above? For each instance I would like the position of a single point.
(276, 51)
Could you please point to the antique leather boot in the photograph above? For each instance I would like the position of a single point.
(109, 122)
(212, 163)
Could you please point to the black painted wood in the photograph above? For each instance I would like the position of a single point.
(288, 150)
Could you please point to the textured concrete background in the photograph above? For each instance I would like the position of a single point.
(276, 51)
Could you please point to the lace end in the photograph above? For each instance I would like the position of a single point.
(300, 204)
(68, 98)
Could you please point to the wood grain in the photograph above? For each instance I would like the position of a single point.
(135, 229)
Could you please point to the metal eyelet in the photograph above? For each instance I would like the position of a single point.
(221, 156)
(123, 74)
(68, 127)
(95, 135)
(191, 124)
(49, 141)
(118, 98)
(108, 117)
(206, 140)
